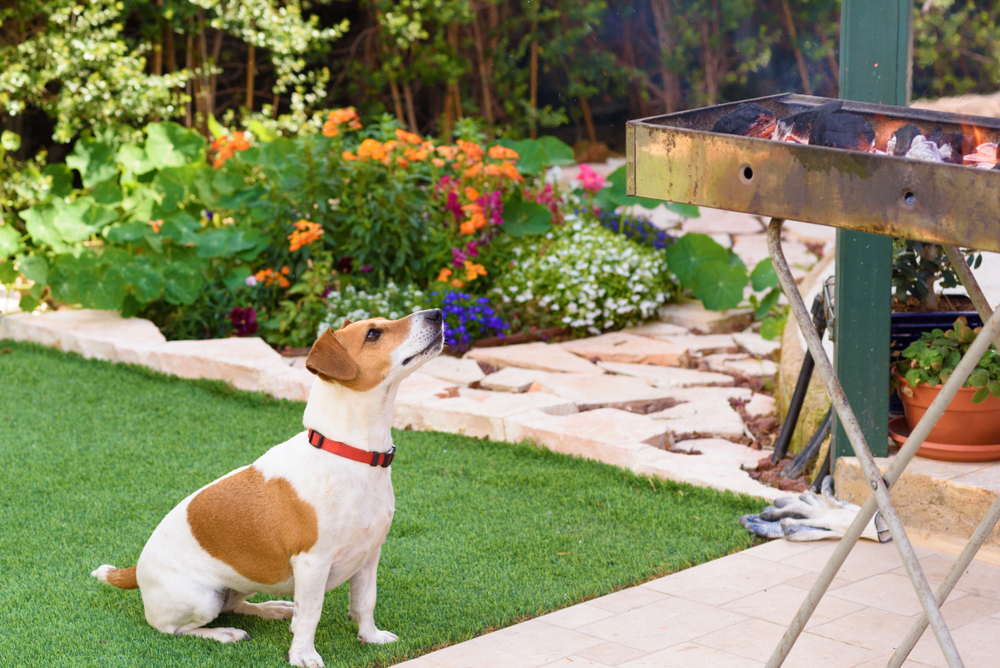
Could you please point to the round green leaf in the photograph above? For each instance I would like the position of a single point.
(35, 268)
(719, 285)
(182, 283)
(690, 252)
(146, 282)
(522, 218)
(10, 241)
(763, 276)
(173, 145)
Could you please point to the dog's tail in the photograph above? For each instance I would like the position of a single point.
(123, 578)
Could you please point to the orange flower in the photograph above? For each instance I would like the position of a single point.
(227, 145)
(330, 129)
(437, 162)
(443, 276)
(285, 270)
(156, 225)
(471, 194)
(371, 149)
(471, 149)
(493, 170)
(447, 152)
(337, 117)
(473, 171)
(457, 283)
(409, 137)
(416, 154)
(472, 271)
(402, 162)
(503, 153)
(305, 233)
(467, 227)
(270, 277)
(510, 171)
(347, 156)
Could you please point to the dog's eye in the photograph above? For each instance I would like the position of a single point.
(373, 335)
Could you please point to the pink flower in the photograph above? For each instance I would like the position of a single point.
(590, 180)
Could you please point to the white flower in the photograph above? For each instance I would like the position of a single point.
(251, 280)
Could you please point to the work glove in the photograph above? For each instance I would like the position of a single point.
(812, 517)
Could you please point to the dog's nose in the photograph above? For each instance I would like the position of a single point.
(433, 315)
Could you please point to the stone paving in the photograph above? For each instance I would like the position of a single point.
(731, 613)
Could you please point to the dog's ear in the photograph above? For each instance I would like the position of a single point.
(329, 359)
(346, 323)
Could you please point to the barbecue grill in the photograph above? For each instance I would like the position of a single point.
(679, 158)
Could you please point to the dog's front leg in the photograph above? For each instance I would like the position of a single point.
(362, 606)
(310, 585)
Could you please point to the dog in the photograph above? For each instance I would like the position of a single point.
(307, 516)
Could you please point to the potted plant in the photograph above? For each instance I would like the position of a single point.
(969, 430)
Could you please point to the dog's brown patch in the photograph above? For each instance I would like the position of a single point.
(123, 578)
(349, 358)
(254, 525)
(329, 360)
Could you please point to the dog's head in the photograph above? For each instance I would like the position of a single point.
(363, 355)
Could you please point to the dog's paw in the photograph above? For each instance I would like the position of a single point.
(267, 609)
(308, 658)
(378, 637)
(222, 634)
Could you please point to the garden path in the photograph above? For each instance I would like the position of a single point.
(731, 613)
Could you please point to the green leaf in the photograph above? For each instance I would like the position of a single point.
(227, 181)
(690, 252)
(169, 183)
(7, 273)
(533, 156)
(994, 387)
(94, 160)
(172, 145)
(215, 127)
(126, 233)
(981, 395)
(913, 377)
(134, 159)
(29, 303)
(978, 378)
(35, 268)
(221, 243)
(683, 210)
(107, 192)
(767, 303)
(102, 286)
(62, 179)
(261, 131)
(182, 283)
(719, 285)
(237, 278)
(771, 328)
(558, 153)
(522, 218)
(146, 282)
(763, 276)
(10, 241)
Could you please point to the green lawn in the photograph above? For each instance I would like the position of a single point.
(485, 533)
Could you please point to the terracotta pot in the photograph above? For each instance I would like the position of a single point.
(963, 423)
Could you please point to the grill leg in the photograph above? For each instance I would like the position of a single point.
(880, 496)
(985, 527)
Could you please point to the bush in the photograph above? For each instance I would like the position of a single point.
(587, 278)
(390, 302)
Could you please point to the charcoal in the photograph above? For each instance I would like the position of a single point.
(922, 148)
(747, 120)
(842, 130)
(950, 144)
(797, 127)
(901, 140)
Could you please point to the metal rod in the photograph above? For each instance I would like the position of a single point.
(794, 409)
(989, 521)
(879, 484)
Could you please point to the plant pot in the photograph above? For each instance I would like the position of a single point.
(899, 431)
(963, 422)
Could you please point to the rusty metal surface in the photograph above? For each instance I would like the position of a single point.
(675, 158)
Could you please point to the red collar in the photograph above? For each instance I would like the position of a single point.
(383, 459)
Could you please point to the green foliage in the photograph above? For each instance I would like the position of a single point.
(522, 218)
(932, 359)
(297, 321)
(918, 266)
(955, 47)
(392, 302)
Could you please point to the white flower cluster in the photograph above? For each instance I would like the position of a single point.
(598, 279)
(390, 302)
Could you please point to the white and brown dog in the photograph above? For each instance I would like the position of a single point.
(308, 515)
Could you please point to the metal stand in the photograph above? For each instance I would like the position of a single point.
(879, 499)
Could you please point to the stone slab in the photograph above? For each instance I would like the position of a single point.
(417, 389)
(605, 434)
(692, 315)
(712, 417)
(247, 363)
(94, 334)
(717, 466)
(541, 356)
(629, 348)
(717, 221)
(481, 414)
(658, 330)
(668, 376)
(588, 391)
(462, 372)
(761, 404)
(740, 365)
(513, 379)
(293, 383)
(755, 344)
(708, 343)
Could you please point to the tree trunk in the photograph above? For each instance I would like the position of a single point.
(793, 39)
(452, 107)
(411, 115)
(709, 62)
(189, 65)
(484, 78)
(831, 61)
(214, 78)
(168, 46)
(534, 83)
(673, 98)
(251, 71)
(588, 118)
(158, 45)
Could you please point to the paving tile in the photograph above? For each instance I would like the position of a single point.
(942, 470)
(873, 629)
(658, 330)
(612, 654)
(885, 591)
(9, 302)
(717, 221)
(703, 345)
(512, 379)
(606, 434)
(755, 344)
(967, 609)
(588, 391)
(419, 662)
(985, 478)
(530, 644)
(866, 559)
(459, 371)
(740, 365)
(781, 550)
(692, 315)
(541, 356)
(290, 383)
(780, 603)
(761, 404)
(810, 232)
(575, 616)
(756, 639)
(627, 599)
(481, 414)
(692, 655)
(629, 348)
(705, 415)
(668, 376)
(809, 579)
(979, 579)
(661, 624)
(576, 662)
(976, 643)
(724, 580)
(883, 661)
(752, 248)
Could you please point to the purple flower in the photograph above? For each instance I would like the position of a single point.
(453, 206)
(470, 250)
(458, 258)
(365, 268)
(244, 321)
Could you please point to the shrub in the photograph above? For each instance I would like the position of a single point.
(468, 319)
(587, 278)
(392, 302)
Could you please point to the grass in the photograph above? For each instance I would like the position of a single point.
(485, 533)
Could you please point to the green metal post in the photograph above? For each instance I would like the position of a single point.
(875, 50)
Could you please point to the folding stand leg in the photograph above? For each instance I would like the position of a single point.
(880, 495)
(989, 521)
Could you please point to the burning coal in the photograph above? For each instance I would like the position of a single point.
(829, 125)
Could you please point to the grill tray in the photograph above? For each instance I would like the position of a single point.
(676, 158)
